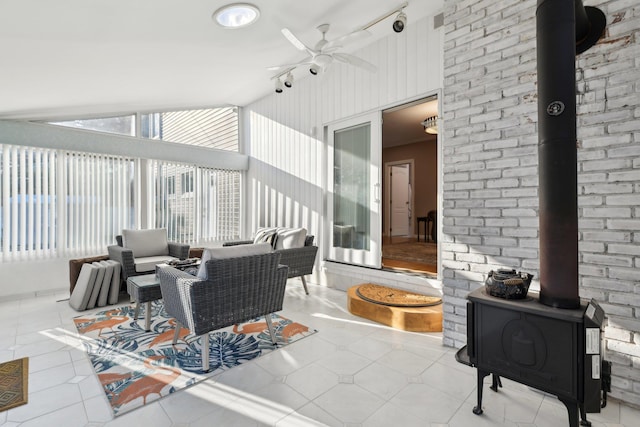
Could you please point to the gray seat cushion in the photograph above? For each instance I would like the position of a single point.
(97, 285)
(148, 264)
(103, 297)
(114, 290)
(84, 287)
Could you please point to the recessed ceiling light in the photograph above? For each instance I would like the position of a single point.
(236, 15)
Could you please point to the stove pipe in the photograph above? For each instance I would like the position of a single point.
(564, 28)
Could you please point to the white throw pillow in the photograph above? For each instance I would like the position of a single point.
(231, 252)
(289, 238)
(146, 243)
(84, 286)
(267, 235)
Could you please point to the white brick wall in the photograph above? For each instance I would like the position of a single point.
(490, 200)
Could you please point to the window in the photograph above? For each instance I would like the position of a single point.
(211, 128)
(56, 203)
(99, 191)
(28, 204)
(213, 213)
(122, 125)
(59, 203)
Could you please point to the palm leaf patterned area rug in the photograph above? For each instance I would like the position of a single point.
(136, 367)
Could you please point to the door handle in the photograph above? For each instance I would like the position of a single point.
(376, 191)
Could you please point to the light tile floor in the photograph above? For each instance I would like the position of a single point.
(352, 373)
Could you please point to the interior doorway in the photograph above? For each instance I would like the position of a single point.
(400, 179)
(410, 186)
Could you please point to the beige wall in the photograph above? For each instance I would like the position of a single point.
(425, 187)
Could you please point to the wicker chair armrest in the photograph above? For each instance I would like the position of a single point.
(299, 260)
(179, 250)
(175, 287)
(125, 257)
(238, 242)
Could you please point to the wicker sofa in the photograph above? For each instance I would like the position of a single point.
(233, 285)
(300, 260)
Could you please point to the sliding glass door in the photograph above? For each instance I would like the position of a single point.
(354, 205)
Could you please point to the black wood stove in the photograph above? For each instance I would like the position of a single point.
(549, 340)
(558, 351)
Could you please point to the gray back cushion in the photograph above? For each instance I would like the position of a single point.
(145, 243)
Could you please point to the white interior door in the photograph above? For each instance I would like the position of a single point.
(355, 155)
(400, 200)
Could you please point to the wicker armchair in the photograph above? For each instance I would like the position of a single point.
(299, 260)
(235, 290)
(135, 265)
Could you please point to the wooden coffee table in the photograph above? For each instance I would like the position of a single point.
(144, 289)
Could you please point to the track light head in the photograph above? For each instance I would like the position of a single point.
(278, 86)
(288, 81)
(400, 22)
(314, 70)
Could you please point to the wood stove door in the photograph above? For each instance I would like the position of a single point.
(534, 350)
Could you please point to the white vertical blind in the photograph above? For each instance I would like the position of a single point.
(174, 203)
(61, 203)
(96, 199)
(194, 204)
(26, 206)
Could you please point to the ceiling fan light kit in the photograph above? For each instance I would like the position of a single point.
(325, 52)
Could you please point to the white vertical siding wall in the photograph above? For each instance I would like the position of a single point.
(285, 132)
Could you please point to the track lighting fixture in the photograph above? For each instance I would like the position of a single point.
(288, 81)
(279, 87)
(400, 22)
(314, 69)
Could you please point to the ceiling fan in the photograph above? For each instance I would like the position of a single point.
(322, 55)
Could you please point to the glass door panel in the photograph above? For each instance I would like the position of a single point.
(354, 202)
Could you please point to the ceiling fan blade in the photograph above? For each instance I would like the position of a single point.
(305, 61)
(356, 36)
(295, 41)
(354, 60)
